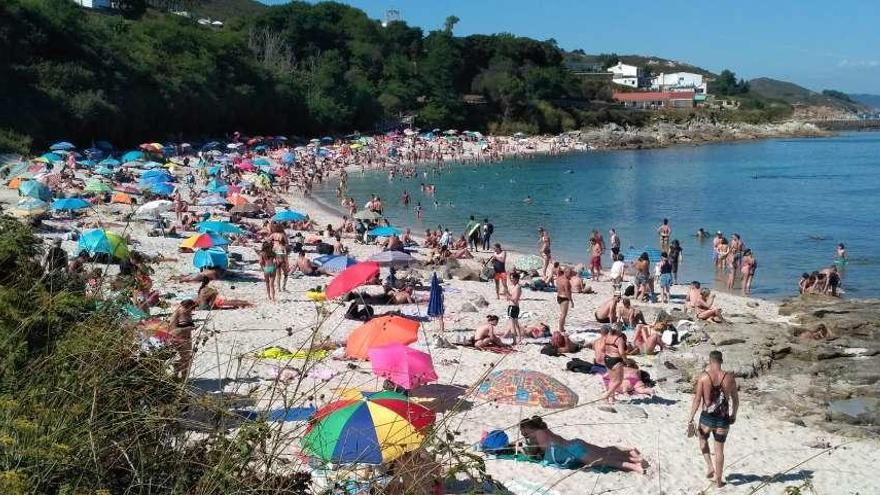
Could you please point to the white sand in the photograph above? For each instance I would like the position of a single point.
(759, 446)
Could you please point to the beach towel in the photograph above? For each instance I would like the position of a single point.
(276, 352)
(494, 349)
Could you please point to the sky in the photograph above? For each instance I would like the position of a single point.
(818, 44)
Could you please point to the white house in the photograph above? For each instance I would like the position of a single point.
(679, 81)
(626, 75)
(93, 4)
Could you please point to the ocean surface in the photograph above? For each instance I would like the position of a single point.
(791, 200)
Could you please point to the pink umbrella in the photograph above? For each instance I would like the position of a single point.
(351, 278)
(402, 365)
(246, 165)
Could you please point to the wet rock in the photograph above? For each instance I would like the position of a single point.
(480, 302)
(862, 411)
(467, 307)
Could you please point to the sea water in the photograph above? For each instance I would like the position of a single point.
(791, 200)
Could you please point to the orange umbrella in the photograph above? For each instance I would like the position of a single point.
(121, 198)
(380, 331)
(14, 183)
(237, 199)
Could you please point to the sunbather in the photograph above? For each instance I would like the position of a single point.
(542, 443)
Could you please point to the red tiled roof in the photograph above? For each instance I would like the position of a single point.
(654, 96)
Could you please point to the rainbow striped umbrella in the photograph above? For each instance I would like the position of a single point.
(369, 428)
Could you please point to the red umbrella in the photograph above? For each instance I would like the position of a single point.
(351, 278)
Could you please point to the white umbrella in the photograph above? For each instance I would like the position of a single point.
(154, 208)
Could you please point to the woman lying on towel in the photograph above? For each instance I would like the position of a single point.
(209, 298)
(540, 442)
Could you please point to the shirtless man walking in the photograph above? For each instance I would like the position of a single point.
(716, 396)
(563, 295)
(665, 231)
(513, 295)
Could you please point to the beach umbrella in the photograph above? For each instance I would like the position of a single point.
(102, 241)
(391, 258)
(236, 199)
(382, 330)
(367, 215)
(402, 365)
(368, 428)
(62, 146)
(154, 208)
(351, 278)
(435, 298)
(101, 170)
(528, 263)
(246, 165)
(157, 175)
(204, 241)
(70, 204)
(51, 157)
(110, 162)
(211, 258)
(288, 158)
(34, 189)
(632, 254)
(96, 186)
(289, 216)
(132, 156)
(121, 198)
(219, 227)
(29, 207)
(216, 186)
(526, 388)
(334, 264)
(212, 200)
(384, 231)
(160, 188)
(262, 162)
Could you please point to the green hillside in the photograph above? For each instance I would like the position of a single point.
(793, 94)
(871, 101)
(225, 10)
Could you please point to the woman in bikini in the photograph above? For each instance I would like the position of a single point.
(543, 444)
(180, 328)
(280, 247)
(749, 265)
(267, 264)
(614, 350)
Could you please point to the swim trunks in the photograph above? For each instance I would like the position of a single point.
(560, 299)
(513, 312)
(596, 262)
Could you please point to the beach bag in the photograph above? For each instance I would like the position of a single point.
(578, 365)
(629, 291)
(324, 248)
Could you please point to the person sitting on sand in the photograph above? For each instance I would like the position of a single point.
(180, 327)
(628, 314)
(598, 345)
(208, 298)
(705, 308)
(564, 345)
(206, 273)
(541, 443)
(647, 339)
(305, 265)
(486, 335)
(693, 296)
(607, 311)
(632, 380)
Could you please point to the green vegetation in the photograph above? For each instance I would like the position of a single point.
(793, 94)
(726, 84)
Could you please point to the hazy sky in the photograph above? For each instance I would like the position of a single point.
(819, 44)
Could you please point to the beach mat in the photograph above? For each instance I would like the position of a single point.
(282, 414)
(282, 353)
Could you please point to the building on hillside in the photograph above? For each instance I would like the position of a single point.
(627, 75)
(679, 81)
(656, 100)
(94, 4)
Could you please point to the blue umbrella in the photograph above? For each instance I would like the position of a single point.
(289, 216)
(216, 186)
(131, 156)
(211, 258)
(70, 204)
(214, 170)
(157, 174)
(288, 157)
(34, 189)
(160, 188)
(262, 162)
(435, 298)
(86, 163)
(62, 146)
(633, 254)
(334, 264)
(219, 227)
(102, 170)
(110, 162)
(213, 200)
(384, 231)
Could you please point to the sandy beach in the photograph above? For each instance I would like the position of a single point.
(764, 454)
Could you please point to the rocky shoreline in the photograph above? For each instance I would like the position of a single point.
(664, 134)
(832, 383)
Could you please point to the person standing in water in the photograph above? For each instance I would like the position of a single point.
(716, 396)
(614, 241)
(664, 230)
(749, 265)
(674, 259)
(544, 249)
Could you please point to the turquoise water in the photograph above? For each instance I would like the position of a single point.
(791, 200)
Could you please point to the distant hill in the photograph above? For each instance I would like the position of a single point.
(224, 10)
(798, 95)
(872, 101)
